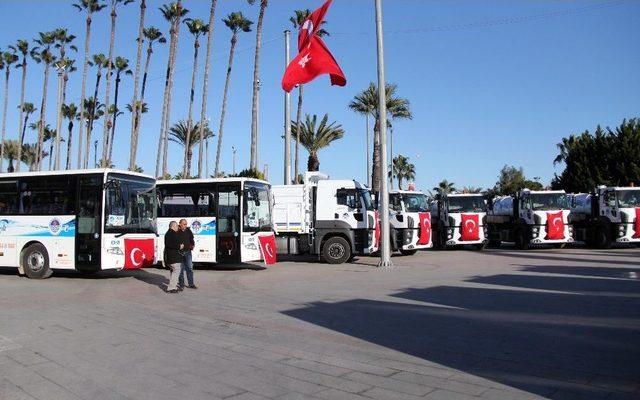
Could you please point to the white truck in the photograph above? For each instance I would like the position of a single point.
(459, 219)
(334, 219)
(607, 215)
(530, 217)
(410, 221)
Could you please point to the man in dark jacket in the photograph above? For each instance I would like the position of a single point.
(173, 258)
(187, 263)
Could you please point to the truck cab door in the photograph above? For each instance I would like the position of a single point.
(609, 206)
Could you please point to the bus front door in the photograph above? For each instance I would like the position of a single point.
(229, 223)
(88, 223)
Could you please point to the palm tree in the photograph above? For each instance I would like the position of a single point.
(11, 153)
(197, 28)
(471, 189)
(63, 39)
(236, 22)
(49, 136)
(30, 155)
(89, 7)
(256, 84)
(92, 111)
(136, 79)
(314, 137)
(403, 169)
(205, 82)
(45, 56)
(365, 103)
(178, 133)
(173, 13)
(297, 21)
(7, 58)
(105, 127)
(22, 46)
(99, 61)
(445, 187)
(141, 108)
(27, 110)
(152, 35)
(69, 112)
(122, 67)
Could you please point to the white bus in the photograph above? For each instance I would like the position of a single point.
(226, 216)
(87, 220)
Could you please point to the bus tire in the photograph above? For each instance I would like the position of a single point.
(336, 250)
(603, 238)
(408, 252)
(35, 261)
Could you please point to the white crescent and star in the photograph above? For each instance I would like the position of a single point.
(557, 222)
(132, 257)
(268, 250)
(473, 225)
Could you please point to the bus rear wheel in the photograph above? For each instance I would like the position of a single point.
(336, 250)
(35, 261)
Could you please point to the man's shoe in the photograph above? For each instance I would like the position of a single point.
(180, 288)
(192, 287)
(173, 291)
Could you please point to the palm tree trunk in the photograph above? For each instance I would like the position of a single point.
(256, 87)
(59, 120)
(136, 81)
(164, 105)
(186, 171)
(375, 170)
(368, 152)
(24, 130)
(165, 157)
(138, 115)
(313, 162)
(4, 113)
(298, 117)
(189, 158)
(21, 128)
(50, 153)
(65, 81)
(115, 117)
(205, 84)
(91, 119)
(234, 40)
(43, 109)
(69, 138)
(85, 71)
(105, 127)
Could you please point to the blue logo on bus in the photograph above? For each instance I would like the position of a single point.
(3, 225)
(54, 226)
(196, 226)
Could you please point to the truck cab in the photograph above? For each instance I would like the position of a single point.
(607, 215)
(332, 218)
(531, 217)
(410, 221)
(459, 219)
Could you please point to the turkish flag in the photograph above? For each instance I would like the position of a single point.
(637, 224)
(555, 226)
(268, 248)
(314, 58)
(469, 227)
(425, 228)
(376, 232)
(138, 253)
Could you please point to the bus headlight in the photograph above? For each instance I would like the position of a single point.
(115, 251)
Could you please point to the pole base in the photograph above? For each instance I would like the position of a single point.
(385, 264)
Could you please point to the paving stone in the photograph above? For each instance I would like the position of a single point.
(441, 394)
(334, 394)
(317, 367)
(390, 383)
(384, 394)
(433, 382)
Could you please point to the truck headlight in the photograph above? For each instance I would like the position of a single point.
(449, 233)
(115, 251)
(370, 238)
(535, 231)
(622, 230)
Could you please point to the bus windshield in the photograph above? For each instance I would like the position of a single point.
(415, 202)
(130, 204)
(257, 207)
(467, 204)
(549, 201)
(628, 198)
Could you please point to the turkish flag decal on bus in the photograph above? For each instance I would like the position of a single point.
(138, 253)
(555, 226)
(425, 228)
(637, 224)
(469, 227)
(268, 248)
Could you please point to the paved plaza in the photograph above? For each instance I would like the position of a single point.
(447, 325)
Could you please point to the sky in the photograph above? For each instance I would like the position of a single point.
(490, 82)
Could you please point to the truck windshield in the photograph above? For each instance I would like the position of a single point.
(130, 204)
(415, 202)
(549, 201)
(366, 199)
(257, 207)
(629, 198)
(467, 204)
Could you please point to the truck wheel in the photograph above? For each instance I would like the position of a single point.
(408, 252)
(336, 250)
(521, 240)
(494, 243)
(35, 261)
(479, 246)
(603, 238)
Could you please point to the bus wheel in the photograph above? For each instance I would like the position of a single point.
(35, 261)
(408, 252)
(336, 250)
(603, 238)
(521, 240)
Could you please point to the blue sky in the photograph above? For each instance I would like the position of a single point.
(491, 82)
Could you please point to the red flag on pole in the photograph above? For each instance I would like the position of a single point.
(314, 58)
(268, 248)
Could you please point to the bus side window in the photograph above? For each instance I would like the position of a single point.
(8, 197)
(52, 196)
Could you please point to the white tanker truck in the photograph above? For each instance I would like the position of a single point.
(530, 217)
(459, 219)
(607, 215)
(410, 221)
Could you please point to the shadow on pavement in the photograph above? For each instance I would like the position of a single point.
(560, 345)
(613, 272)
(558, 257)
(563, 283)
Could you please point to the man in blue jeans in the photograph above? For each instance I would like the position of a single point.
(186, 237)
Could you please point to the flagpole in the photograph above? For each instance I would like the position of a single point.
(287, 118)
(385, 248)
